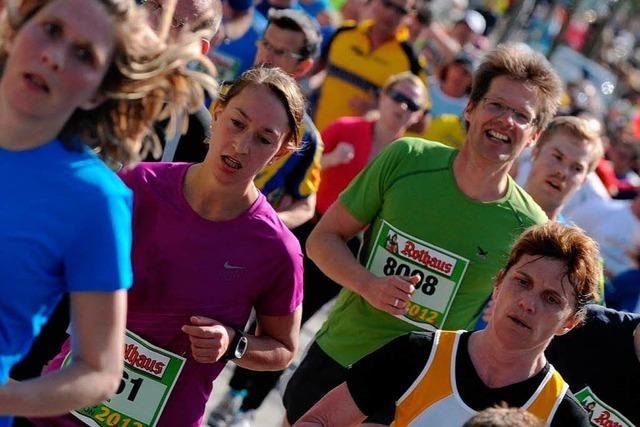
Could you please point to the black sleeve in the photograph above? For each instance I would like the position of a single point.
(379, 379)
(570, 413)
(414, 62)
(324, 53)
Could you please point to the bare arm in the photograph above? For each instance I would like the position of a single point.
(271, 349)
(327, 247)
(98, 322)
(337, 408)
(298, 212)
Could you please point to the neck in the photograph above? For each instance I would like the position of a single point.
(377, 37)
(552, 210)
(500, 367)
(382, 136)
(478, 179)
(20, 132)
(214, 201)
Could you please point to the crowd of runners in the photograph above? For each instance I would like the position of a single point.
(187, 182)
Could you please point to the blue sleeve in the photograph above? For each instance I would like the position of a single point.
(99, 254)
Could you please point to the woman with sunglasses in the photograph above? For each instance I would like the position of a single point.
(350, 143)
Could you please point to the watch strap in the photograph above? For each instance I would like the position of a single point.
(230, 354)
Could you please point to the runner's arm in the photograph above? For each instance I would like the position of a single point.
(98, 322)
(327, 247)
(298, 212)
(337, 408)
(271, 349)
(274, 344)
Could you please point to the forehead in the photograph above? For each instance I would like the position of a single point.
(515, 93)
(408, 88)
(549, 273)
(87, 20)
(577, 149)
(262, 106)
(290, 39)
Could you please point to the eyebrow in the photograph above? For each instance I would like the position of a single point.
(560, 296)
(266, 129)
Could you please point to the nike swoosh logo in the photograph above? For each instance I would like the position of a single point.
(232, 267)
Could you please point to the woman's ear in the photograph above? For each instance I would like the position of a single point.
(571, 323)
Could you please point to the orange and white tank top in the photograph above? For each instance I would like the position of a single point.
(433, 398)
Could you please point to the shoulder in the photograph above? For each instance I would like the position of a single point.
(151, 174)
(524, 205)
(418, 147)
(91, 177)
(273, 231)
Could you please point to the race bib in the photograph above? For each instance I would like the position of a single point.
(149, 375)
(440, 271)
(600, 414)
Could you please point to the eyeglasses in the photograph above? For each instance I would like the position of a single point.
(156, 5)
(400, 10)
(401, 98)
(498, 108)
(277, 51)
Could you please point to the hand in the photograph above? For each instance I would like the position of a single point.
(391, 293)
(209, 338)
(343, 153)
(284, 203)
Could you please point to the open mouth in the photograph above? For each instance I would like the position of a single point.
(36, 82)
(231, 162)
(553, 185)
(519, 322)
(497, 136)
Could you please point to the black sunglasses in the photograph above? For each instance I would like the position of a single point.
(396, 8)
(401, 98)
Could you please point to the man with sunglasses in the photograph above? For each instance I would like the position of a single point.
(360, 58)
(454, 212)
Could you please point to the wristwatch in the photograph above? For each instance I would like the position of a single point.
(237, 347)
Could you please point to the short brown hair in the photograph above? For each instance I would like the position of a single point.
(578, 128)
(503, 416)
(283, 86)
(567, 244)
(519, 62)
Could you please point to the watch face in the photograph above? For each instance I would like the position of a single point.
(241, 348)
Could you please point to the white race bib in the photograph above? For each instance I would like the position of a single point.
(150, 372)
(440, 271)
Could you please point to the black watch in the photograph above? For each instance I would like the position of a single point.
(237, 347)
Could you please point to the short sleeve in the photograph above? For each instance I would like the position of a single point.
(379, 379)
(98, 256)
(305, 179)
(365, 195)
(285, 293)
(332, 135)
(570, 413)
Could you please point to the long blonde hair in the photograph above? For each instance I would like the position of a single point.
(151, 78)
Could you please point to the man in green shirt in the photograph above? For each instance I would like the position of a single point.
(439, 223)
